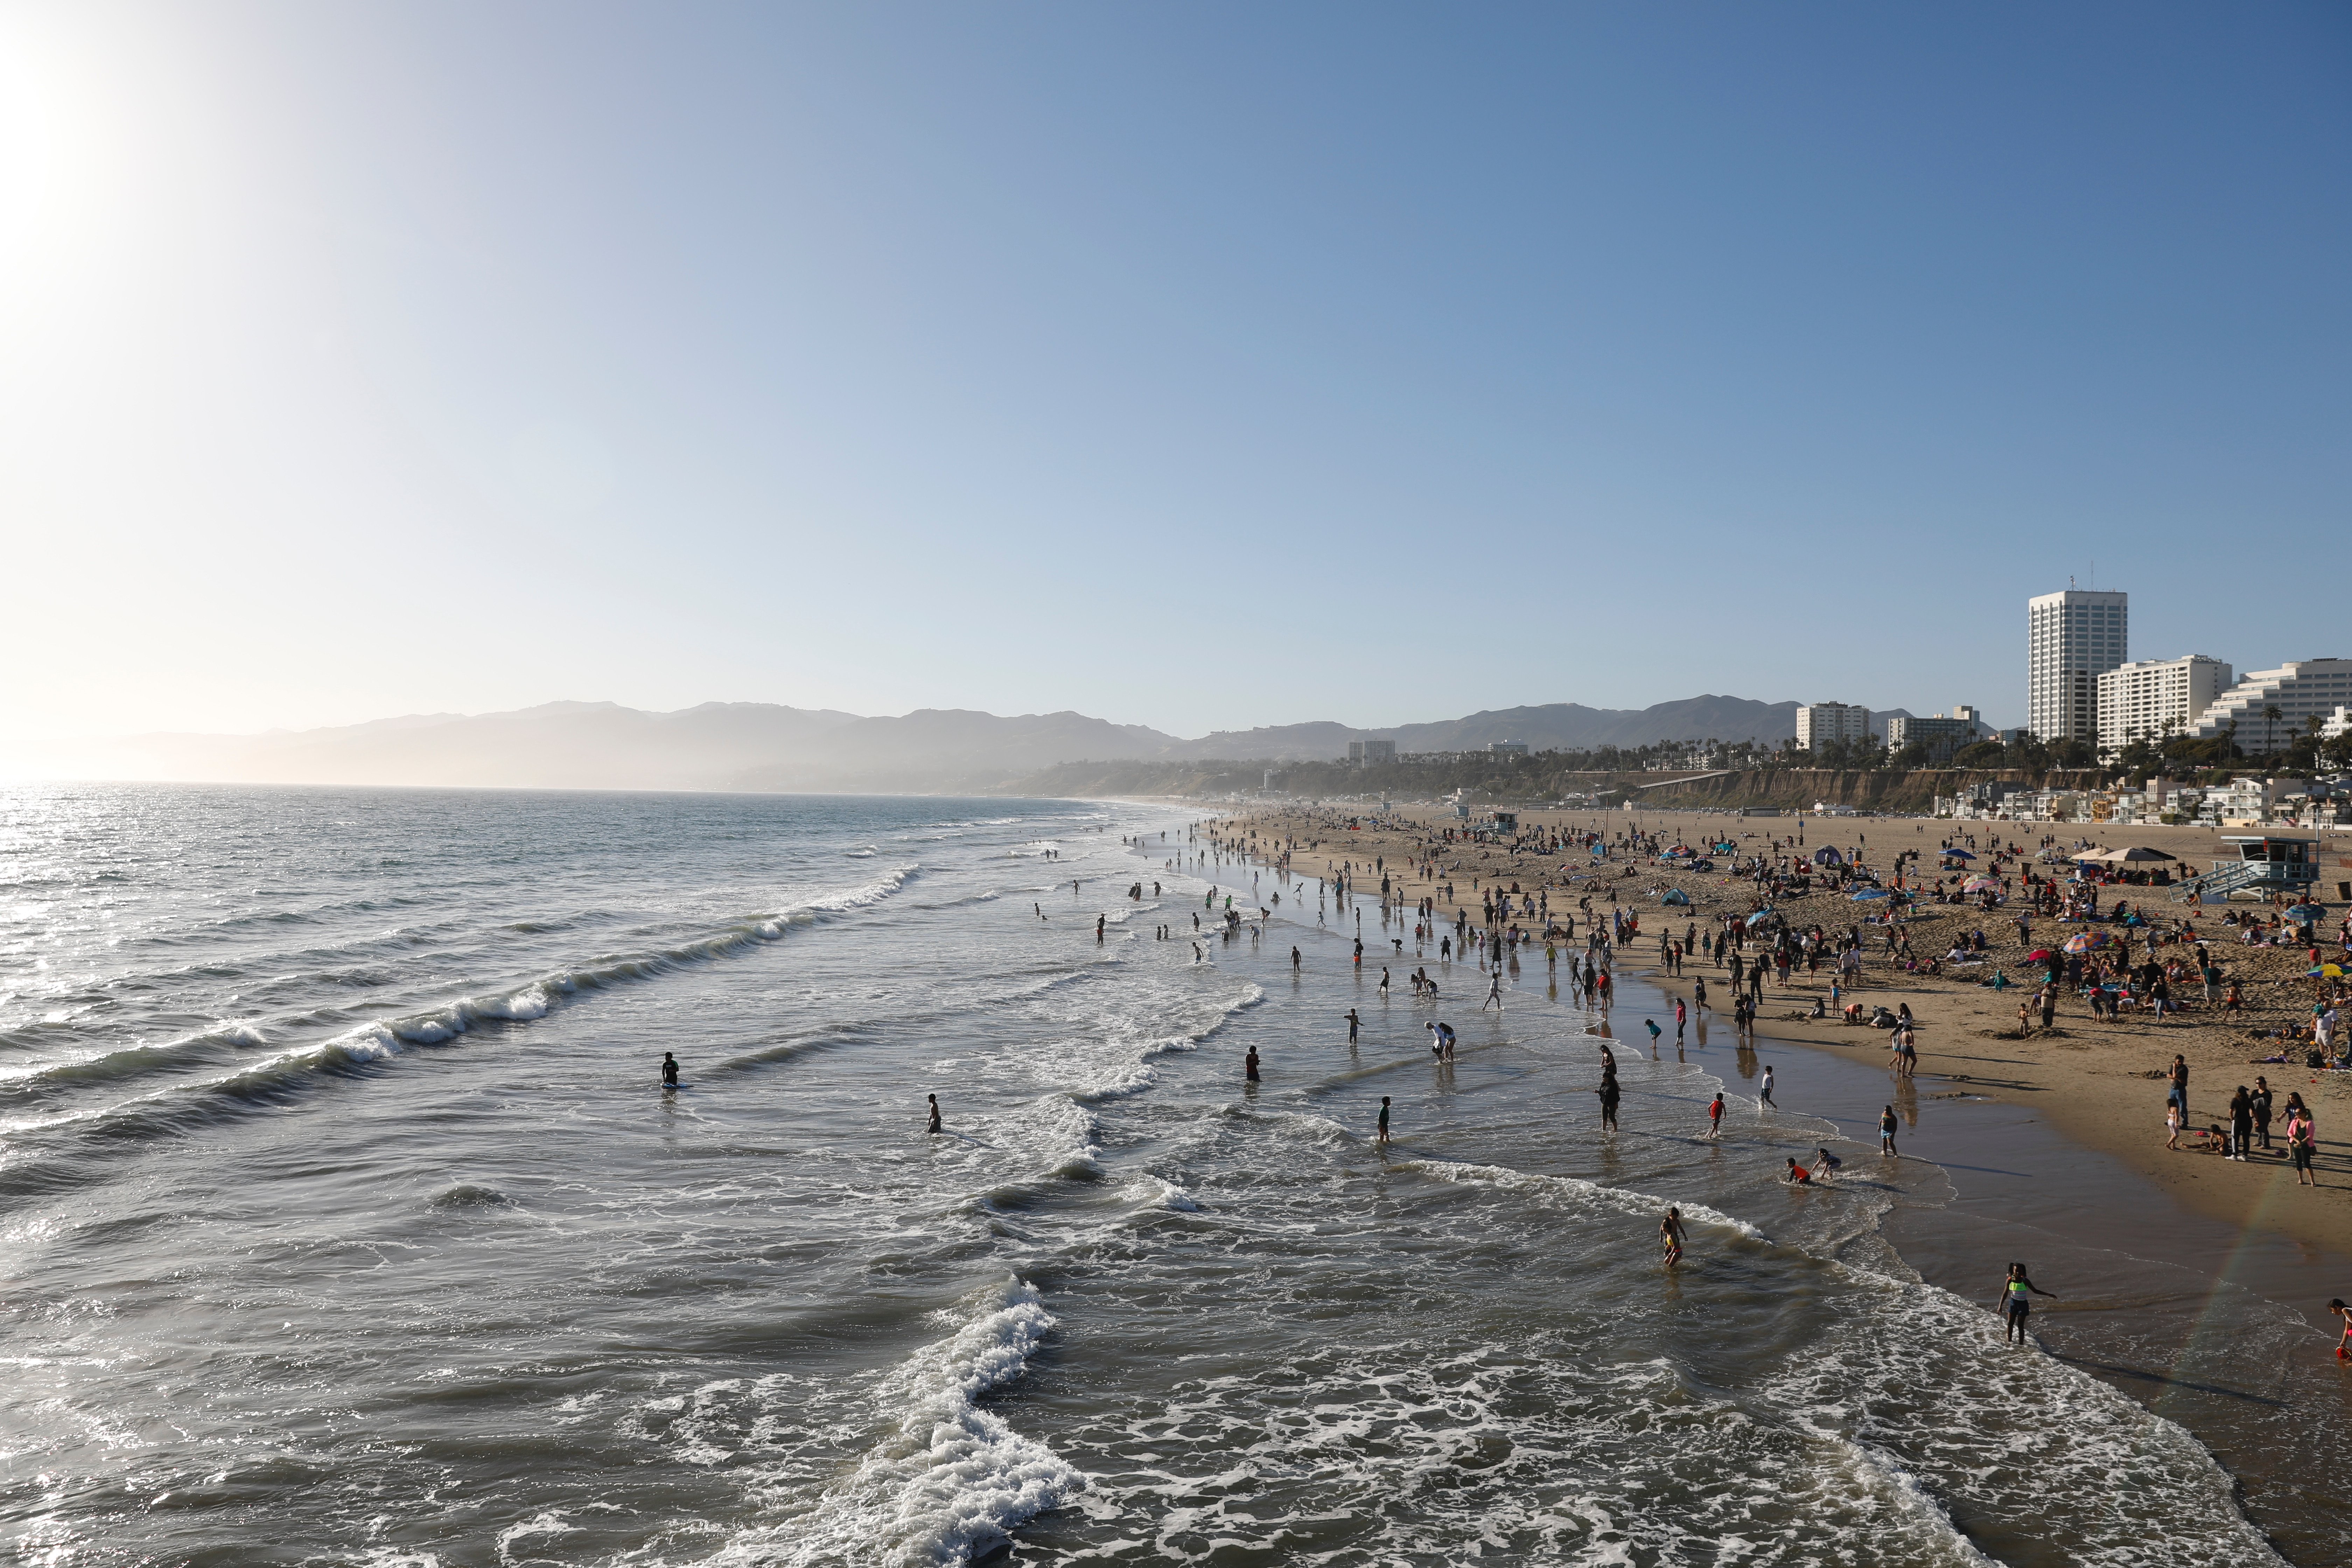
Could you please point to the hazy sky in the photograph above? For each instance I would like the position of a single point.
(1193, 365)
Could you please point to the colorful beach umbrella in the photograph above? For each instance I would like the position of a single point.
(1981, 885)
(2325, 972)
(2084, 941)
(2307, 913)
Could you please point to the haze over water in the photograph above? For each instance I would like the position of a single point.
(346, 1222)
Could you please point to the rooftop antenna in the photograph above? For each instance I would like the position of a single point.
(2094, 574)
(2070, 582)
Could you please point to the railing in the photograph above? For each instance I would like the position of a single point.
(2229, 876)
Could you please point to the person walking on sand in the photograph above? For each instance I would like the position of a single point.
(1886, 1126)
(1382, 1136)
(2179, 1089)
(1764, 1094)
(1670, 1234)
(2301, 1141)
(2173, 1123)
(934, 1127)
(2015, 1303)
(1715, 1116)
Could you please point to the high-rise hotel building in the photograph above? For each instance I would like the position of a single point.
(2074, 638)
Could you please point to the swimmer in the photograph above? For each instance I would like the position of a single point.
(669, 1070)
(934, 1127)
(1670, 1233)
(2015, 1303)
(1715, 1116)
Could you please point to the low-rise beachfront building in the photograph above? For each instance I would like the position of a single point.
(2337, 724)
(2152, 698)
(1818, 723)
(2301, 691)
(1942, 734)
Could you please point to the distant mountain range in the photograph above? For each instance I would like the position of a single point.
(764, 746)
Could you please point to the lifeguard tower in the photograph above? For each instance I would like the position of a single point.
(2263, 865)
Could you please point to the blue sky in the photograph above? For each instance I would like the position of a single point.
(1196, 366)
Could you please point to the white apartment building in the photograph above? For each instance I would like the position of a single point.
(2307, 689)
(2072, 638)
(2337, 723)
(2155, 696)
(1818, 723)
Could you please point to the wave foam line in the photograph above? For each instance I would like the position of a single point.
(1623, 1198)
(951, 1480)
(380, 1038)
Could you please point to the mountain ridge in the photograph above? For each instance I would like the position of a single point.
(756, 746)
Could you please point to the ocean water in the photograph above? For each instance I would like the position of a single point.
(343, 1220)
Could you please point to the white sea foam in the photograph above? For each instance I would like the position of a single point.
(1576, 1189)
(948, 1481)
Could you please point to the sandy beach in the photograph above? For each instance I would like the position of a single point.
(2099, 1081)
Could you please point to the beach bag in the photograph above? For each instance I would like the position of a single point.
(2314, 1059)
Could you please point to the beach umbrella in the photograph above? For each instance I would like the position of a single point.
(2307, 913)
(2084, 941)
(2039, 955)
(1759, 916)
(1958, 854)
(1981, 885)
(2325, 972)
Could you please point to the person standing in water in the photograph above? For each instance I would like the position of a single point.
(2343, 1345)
(1715, 1116)
(1609, 1094)
(669, 1070)
(1293, 960)
(1383, 1136)
(2015, 1303)
(1886, 1125)
(934, 1127)
(1764, 1094)
(1249, 1065)
(1670, 1233)
(1494, 993)
(1354, 1023)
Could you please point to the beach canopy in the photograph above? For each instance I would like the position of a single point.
(1674, 896)
(2084, 941)
(1868, 894)
(2123, 857)
(1825, 855)
(1958, 854)
(1759, 916)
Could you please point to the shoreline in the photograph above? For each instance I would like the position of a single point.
(2098, 1081)
(2202, 1300)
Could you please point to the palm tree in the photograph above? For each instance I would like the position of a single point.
(2271, 716)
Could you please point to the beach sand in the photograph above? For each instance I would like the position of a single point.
(2100, 1083)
